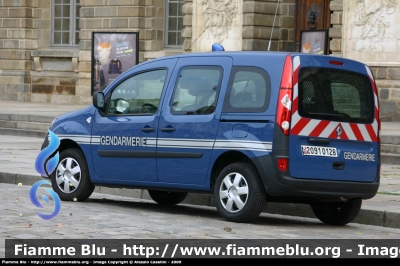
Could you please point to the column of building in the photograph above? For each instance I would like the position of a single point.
(335, 32)
(18, 36)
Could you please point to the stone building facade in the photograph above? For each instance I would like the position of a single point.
(40, 62)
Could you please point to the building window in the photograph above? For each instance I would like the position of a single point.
(65, 22)
(174, 23)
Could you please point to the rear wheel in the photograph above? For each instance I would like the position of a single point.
(239, 193)
(70, 180)
(167, 197)
(337, 213)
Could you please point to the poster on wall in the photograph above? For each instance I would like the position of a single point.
(113, 54)
(314, 41)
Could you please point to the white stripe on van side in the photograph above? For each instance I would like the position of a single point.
(310, 127)
(364, 132)
(328, 130)
(349, 131)
(184, 143)
(295, 118)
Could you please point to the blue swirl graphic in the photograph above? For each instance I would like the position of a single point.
(35, 201)
(46, 153)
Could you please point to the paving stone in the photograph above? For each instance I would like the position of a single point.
(121, 217)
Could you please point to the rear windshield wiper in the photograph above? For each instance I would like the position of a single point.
(338, 115)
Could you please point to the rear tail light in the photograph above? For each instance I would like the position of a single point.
(283, 164)
(334, 62)
(283, 112)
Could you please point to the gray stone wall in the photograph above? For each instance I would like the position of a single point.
(187, 10)
(258, 19)
(54, 76)
(32, 70)
(18, 35)
(387, 75)
(143, 16)
(335, 32)
(388, 83)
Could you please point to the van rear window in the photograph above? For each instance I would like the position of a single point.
(336, 95)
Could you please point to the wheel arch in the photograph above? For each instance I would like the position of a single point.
(68, 144)
(77, 174)
(225, 159)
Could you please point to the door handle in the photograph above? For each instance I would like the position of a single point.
(148, 129)
(319, 141)
(338, 165)
(168, 129)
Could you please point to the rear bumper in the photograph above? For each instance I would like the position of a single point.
(278, 183)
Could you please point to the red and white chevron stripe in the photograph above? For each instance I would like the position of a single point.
(328, 129)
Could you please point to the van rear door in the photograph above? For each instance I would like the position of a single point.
(335, 120)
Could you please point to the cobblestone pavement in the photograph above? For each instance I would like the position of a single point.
(18, 154)
(106, 216)
(114, 217)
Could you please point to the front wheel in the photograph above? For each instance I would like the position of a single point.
(167, 197)
(239, 193)
(337, 213)
(70, 180)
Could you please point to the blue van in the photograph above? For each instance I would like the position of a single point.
(247, 127)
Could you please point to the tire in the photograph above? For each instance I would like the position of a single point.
(167, 197)
(239, 193)
(70, 180)
(337, 213)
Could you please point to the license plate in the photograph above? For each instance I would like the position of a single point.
(318, 151)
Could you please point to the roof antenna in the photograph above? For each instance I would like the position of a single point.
(205, 28)
(273, 25)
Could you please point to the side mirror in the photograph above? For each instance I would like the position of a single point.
(98, 100)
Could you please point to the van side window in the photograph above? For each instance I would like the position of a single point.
(196, 90)
(336, 95)
(249, 90)
(139, 94)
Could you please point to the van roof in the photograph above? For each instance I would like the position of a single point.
(253, 54)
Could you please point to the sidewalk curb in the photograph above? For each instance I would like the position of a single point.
(374, 217)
